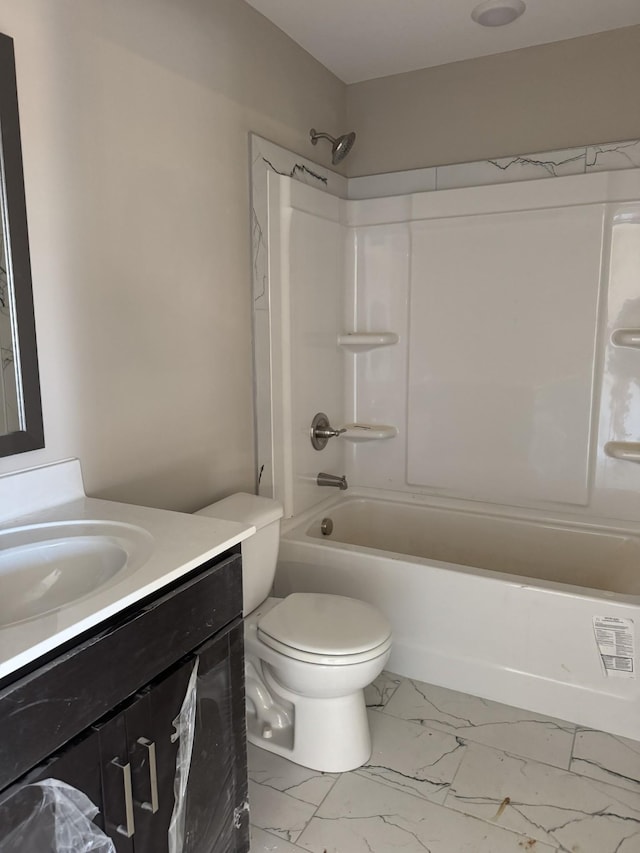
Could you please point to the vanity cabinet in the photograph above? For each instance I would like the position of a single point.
(172, 738)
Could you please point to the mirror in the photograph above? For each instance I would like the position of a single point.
(21, 426)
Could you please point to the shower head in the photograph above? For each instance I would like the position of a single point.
(340, 147)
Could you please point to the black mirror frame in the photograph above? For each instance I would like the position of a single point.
(18, 260)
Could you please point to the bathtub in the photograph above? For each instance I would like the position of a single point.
(532, 613)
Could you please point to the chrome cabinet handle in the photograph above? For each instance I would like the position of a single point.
(129, 828)
(150, 746)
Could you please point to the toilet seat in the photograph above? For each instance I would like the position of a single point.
(324, 659)
(325, 629)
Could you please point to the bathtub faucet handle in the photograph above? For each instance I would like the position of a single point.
(333, 480)
(322, 431)
(330, 433)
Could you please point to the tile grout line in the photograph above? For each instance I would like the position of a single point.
(285, 792)
(571, 751)
(462, 760)
(289, 796)
(331, 787)
(279, 837)
(607, 771)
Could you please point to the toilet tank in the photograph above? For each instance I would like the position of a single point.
(260, 551)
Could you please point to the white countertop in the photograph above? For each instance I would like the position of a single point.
(181, 543)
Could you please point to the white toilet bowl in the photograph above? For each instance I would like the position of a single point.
(309, 706)
(308, 657)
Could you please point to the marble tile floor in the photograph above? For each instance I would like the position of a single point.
(452, 773)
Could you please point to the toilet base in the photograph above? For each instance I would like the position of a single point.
(330, 735)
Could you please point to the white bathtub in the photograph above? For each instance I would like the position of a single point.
(498, 606)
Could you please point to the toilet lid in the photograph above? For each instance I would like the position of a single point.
(325, 624)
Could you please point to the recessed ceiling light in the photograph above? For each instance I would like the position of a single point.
(497, 13)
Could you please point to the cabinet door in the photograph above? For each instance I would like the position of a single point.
(216, 811)
(152, 749)
(29, 818)
(207, 803)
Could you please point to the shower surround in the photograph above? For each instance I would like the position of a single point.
(465, 322)
(504, 299)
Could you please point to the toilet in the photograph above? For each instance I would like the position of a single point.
(308, 657)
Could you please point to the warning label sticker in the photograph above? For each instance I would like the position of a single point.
(615, 639)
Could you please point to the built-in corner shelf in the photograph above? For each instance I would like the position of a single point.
(628, 451)
(626, 338)
(363, 341)
(368, 432)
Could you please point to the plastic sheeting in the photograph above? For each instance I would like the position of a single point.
(216, 818)
(59, 820)
(185, 729)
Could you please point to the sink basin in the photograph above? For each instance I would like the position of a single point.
(45, 567)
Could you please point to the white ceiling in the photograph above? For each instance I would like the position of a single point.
(362, 39)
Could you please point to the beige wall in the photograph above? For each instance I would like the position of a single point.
(542, 98)
(134, 119)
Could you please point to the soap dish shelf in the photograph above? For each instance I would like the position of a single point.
(368, 432)
(627, 451)
(626, 338)
(364, 341)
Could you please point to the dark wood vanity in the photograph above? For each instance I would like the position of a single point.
(109, 716)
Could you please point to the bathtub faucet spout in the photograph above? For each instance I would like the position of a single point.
(333, 480)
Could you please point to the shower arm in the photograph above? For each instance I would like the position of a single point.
(316, 135)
